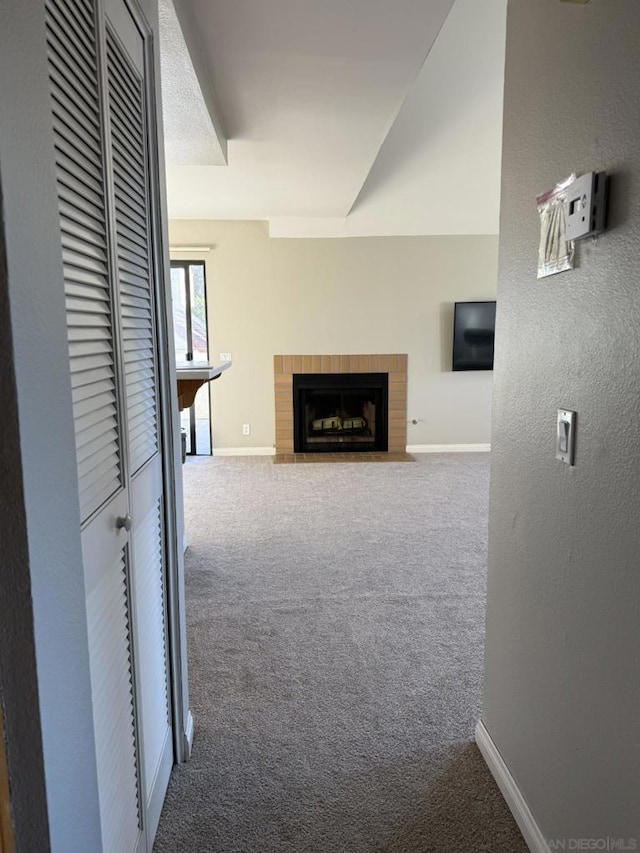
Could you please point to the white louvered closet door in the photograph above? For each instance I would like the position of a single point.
(97, 73)
(125, 59)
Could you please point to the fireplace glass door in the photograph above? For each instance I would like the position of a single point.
(340, 412)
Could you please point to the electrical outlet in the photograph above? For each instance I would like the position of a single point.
(225, 356)
(246, 429)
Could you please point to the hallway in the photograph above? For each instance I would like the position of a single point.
(336, 618)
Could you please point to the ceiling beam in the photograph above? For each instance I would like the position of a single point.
(201, 68)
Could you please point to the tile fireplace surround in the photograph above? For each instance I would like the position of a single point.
(284, 367)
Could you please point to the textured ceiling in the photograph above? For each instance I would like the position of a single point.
(189, 134)
(349, 118)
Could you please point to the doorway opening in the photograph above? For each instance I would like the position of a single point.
(189, 293)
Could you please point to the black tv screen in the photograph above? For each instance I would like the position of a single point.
(474, 325)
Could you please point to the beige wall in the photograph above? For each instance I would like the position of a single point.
(359, 295)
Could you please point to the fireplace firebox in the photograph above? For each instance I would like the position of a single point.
(340, 412)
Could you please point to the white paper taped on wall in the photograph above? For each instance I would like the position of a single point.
(556, 253)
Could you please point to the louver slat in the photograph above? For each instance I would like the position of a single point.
(88, 377)
(135, 246)
(136, 261)
(133, 180)
(92, 389)
(79, 305)
(96, 459)
(132, 287)
(72, 159)
(79, 223)
(68, 115)
(101, 431)
(134, 269)
(127, 209)
(100, 415)
(79, 169)
(130, 303)
(91, 404)
(77, 187)
(80, 239)
(99, 483)
(131, 311)
(61, 35)
(124, 158)
(59, 74)
(141, 362)
(144, 446)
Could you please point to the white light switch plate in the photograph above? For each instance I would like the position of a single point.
(225, 356)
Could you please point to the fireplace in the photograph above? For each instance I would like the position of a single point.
(340, 412)
(392, 434)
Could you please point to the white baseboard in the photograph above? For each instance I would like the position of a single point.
(244, 451)
(448, 448)
(530, 830)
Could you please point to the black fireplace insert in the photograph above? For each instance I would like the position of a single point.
(340, 412)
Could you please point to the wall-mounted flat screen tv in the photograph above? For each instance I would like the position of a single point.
(474, 325)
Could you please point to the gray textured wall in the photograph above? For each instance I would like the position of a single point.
(562, 695)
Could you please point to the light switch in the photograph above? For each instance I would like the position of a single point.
(566, 436)
(563, 437)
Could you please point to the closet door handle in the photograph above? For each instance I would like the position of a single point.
(124, 522)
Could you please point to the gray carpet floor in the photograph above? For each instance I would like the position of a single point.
(335, 621)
